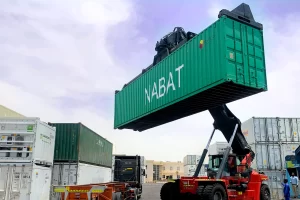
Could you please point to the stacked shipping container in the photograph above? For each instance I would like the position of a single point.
(272, 139)
(26, 158)
(81, 156)
(190, 163)
(217, 148)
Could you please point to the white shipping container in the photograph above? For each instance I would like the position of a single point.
(217, 148)
(189, 170)
(78, 174)
(271, 156)
(26, 140)
(271, 130)
(191, 159)
(275, 184)
(24, 182)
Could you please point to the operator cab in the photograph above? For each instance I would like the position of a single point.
(233, 166)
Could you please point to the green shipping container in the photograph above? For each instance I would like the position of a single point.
(227, 66)
(75, 142)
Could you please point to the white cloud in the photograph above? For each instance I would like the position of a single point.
(62, 46)
(59, 49)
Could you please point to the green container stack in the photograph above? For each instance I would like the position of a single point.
(77, 143)
(223, 63)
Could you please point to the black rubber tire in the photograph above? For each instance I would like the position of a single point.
(200, 191)
(174, 191)
(216, 189)
(265, 193)
(165, 191)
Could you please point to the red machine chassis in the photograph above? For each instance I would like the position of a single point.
(189, 185)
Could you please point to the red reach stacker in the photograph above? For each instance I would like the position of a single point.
(229, 176)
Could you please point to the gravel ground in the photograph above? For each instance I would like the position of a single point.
(151, 191)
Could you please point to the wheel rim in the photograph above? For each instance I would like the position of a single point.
(218, 196)
(267, 194)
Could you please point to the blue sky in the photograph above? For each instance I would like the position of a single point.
(63, 60)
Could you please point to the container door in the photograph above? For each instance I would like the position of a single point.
(15, 182)
(272, 130)
(189, 160)
(298, 129)
(41, 183)
(275, 161)
(295, 130)
(63, 174)
(5, 175)
(56, 179)
(68, 174)
(261, 156)
(259, 130)
(20, 182)
(288, 129)
(282, 133)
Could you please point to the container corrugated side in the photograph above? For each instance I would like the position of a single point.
(271, 129)
(76, 142)
(191, 159)
(230, 66)
(217, 148)
(271, 156)
(93, 148)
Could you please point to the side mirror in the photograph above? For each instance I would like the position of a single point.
(143, 172)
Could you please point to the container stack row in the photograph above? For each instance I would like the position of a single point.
(35, 155)
(26, 158)
(81, 156)
(272, 139)
(190, 163)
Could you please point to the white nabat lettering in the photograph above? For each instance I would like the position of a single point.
(154, 91)
(147, 94)
(178, 70)
(162, 88)
(170, 82)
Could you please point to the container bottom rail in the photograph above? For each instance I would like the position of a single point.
(100, 191)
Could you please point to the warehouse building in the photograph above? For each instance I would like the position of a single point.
(6, 112)
(161, 171)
